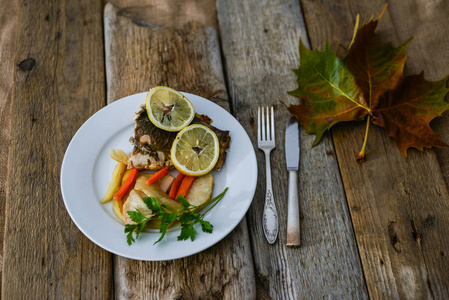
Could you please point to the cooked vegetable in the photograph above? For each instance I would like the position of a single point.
(201, 190)
(165, 182)
(127, 184)
(158, 175)
(185, 186)
(175, 185)
(125, 175)
(135, 203)
(117, 175)
(117, 207)
(119, 156)
(188, 217)
(154, 190)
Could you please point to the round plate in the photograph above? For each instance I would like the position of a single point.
(87, 168)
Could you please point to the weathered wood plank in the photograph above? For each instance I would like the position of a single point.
(260, 52)
(59, 83)
(187, 59)
(427, 52)
(8, 26)
(170, 13)
(398, 206)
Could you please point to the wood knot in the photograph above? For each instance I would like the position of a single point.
(394, 239)
(429, 221)
(415, 232)
(27, 64)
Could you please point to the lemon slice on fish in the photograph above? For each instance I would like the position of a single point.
(168, 109)
(195, 150)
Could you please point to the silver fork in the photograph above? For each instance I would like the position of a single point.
(266, 143)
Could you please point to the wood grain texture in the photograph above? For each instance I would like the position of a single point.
(427, 52)
(260, 52)
(59, 83)
(8, 26)
(187, 59)
(399, 206)
(170, 13)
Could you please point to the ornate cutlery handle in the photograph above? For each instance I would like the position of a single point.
(270, 216)
(293, 226)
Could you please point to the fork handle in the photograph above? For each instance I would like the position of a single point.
(293, 226)
(270, 216)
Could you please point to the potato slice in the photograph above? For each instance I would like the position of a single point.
(154, 190)
(201, 190)
(134, 203)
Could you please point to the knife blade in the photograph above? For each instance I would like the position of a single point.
(292, 152)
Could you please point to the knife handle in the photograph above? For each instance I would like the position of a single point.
(293, 227)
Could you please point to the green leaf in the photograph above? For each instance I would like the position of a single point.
(187, 231)
(206, 226)
(152, 204)
(187, 217)
(328, 92)
(140, 227)
(185, 204)
(129, 237)
(168, 218)
(136, 216)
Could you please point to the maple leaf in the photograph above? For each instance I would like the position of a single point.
(328, 90)
(405, 112)
(369, 81)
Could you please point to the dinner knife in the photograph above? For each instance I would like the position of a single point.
(292, 157)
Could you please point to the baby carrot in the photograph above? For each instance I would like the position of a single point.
(185, 185)
(175, 186)
(158, 175)
(126, 184)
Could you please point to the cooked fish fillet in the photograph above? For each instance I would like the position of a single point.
(152, 145)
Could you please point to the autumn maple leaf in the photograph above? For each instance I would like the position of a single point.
(369, 82)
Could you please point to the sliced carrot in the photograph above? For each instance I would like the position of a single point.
(129, 181)
(158, 175)
(175, 186)
(185, 185)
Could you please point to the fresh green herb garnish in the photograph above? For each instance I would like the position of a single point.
(188, 217)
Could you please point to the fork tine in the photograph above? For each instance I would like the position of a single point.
(263, 126)
(268, 125)
(272, 124)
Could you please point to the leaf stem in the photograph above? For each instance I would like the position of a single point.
(361, 155)
(356, 28)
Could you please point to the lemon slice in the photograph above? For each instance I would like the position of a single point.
(195, 150)
(168, 109)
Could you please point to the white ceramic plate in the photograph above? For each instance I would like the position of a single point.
(87, 168)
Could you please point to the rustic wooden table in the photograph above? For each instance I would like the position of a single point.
(374, 230)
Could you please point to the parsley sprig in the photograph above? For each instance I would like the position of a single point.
(187, 217)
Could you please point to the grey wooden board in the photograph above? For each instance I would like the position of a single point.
(189, 62)
(59, 83)
(8, 27)
(259, 53)
(399, 207)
